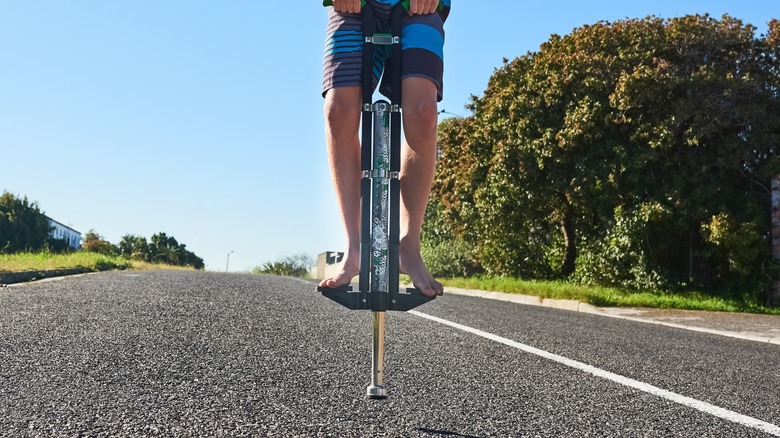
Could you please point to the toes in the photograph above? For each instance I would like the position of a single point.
(428, 287)
(435, 287)
(328, 282)
(428, 292)
(335, 282)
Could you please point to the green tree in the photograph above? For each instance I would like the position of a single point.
(705, 117)
(190, 259)
(575, 146)
(127, 245)
(167, 249)
(94, 242)
(22, 225)
(163, 248)
(141, 249)
(294, 266)
(57, 245)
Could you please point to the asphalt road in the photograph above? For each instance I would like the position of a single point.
(205, 354)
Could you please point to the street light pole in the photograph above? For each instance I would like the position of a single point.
(227, 265)
(443, 111)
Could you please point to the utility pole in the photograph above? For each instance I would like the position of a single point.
(227, 265)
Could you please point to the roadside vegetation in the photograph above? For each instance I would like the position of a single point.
(26, 238)
(89, 261)
(455, 265)
(634, 155)
(291, 266)
(608, 297)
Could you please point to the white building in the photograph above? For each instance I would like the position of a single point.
(327, 263)
(63, 232)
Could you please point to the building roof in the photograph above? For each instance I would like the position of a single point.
(62, 225)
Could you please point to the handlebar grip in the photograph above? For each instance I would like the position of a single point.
(330, 3)
(406, 3)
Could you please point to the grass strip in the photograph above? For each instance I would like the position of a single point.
(90, 261)
(607, 297)
(22, 262)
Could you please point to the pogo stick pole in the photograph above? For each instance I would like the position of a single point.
(395, 148)
(373, 135)
(365, 150)
(385, 200)
(380, 272)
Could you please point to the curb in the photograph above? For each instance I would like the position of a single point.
(530, 300)
(28, 276)
(577, 306)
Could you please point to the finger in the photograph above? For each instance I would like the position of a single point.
(414, 7)
(422, 7)
(347, 6)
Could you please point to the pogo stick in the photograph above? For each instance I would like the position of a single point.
(380, 190)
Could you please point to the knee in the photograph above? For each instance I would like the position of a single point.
(339, 109)
(424, 113)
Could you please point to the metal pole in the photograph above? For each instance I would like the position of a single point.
(379, 242)
(380, 199)
(394, 154)
(384, 260)
(367, 75)
(377, 389)
(775, 221)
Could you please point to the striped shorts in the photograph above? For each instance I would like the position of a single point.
(422, 48)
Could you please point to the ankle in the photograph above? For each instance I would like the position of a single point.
(352, 252)
(410, 243)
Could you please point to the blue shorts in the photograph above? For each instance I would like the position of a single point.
(422, 48)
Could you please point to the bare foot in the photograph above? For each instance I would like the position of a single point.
(350, 267)
(411, 264)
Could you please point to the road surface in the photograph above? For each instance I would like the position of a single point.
(164, 353)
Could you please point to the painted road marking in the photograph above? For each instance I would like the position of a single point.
(699, 405)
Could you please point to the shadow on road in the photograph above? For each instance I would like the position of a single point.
(444, 433)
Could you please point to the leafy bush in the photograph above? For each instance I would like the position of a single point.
(94, 242)
(621, 155)
(291, 266)
(620, 258)
(107, 263)
(746, 268)
(23, 226)
(162, 249)
(450, 258)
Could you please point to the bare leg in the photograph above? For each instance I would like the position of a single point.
(342, 122)
(342, 115)
(420, 115)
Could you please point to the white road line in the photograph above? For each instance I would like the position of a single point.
(641, 386)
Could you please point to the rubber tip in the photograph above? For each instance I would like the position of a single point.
(376, 392)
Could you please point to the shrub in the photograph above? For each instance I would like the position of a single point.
(450, 258)
(620, 258)
(292, 266)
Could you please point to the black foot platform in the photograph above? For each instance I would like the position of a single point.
(403, 300)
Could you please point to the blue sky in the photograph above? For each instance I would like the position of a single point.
(203, 119)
